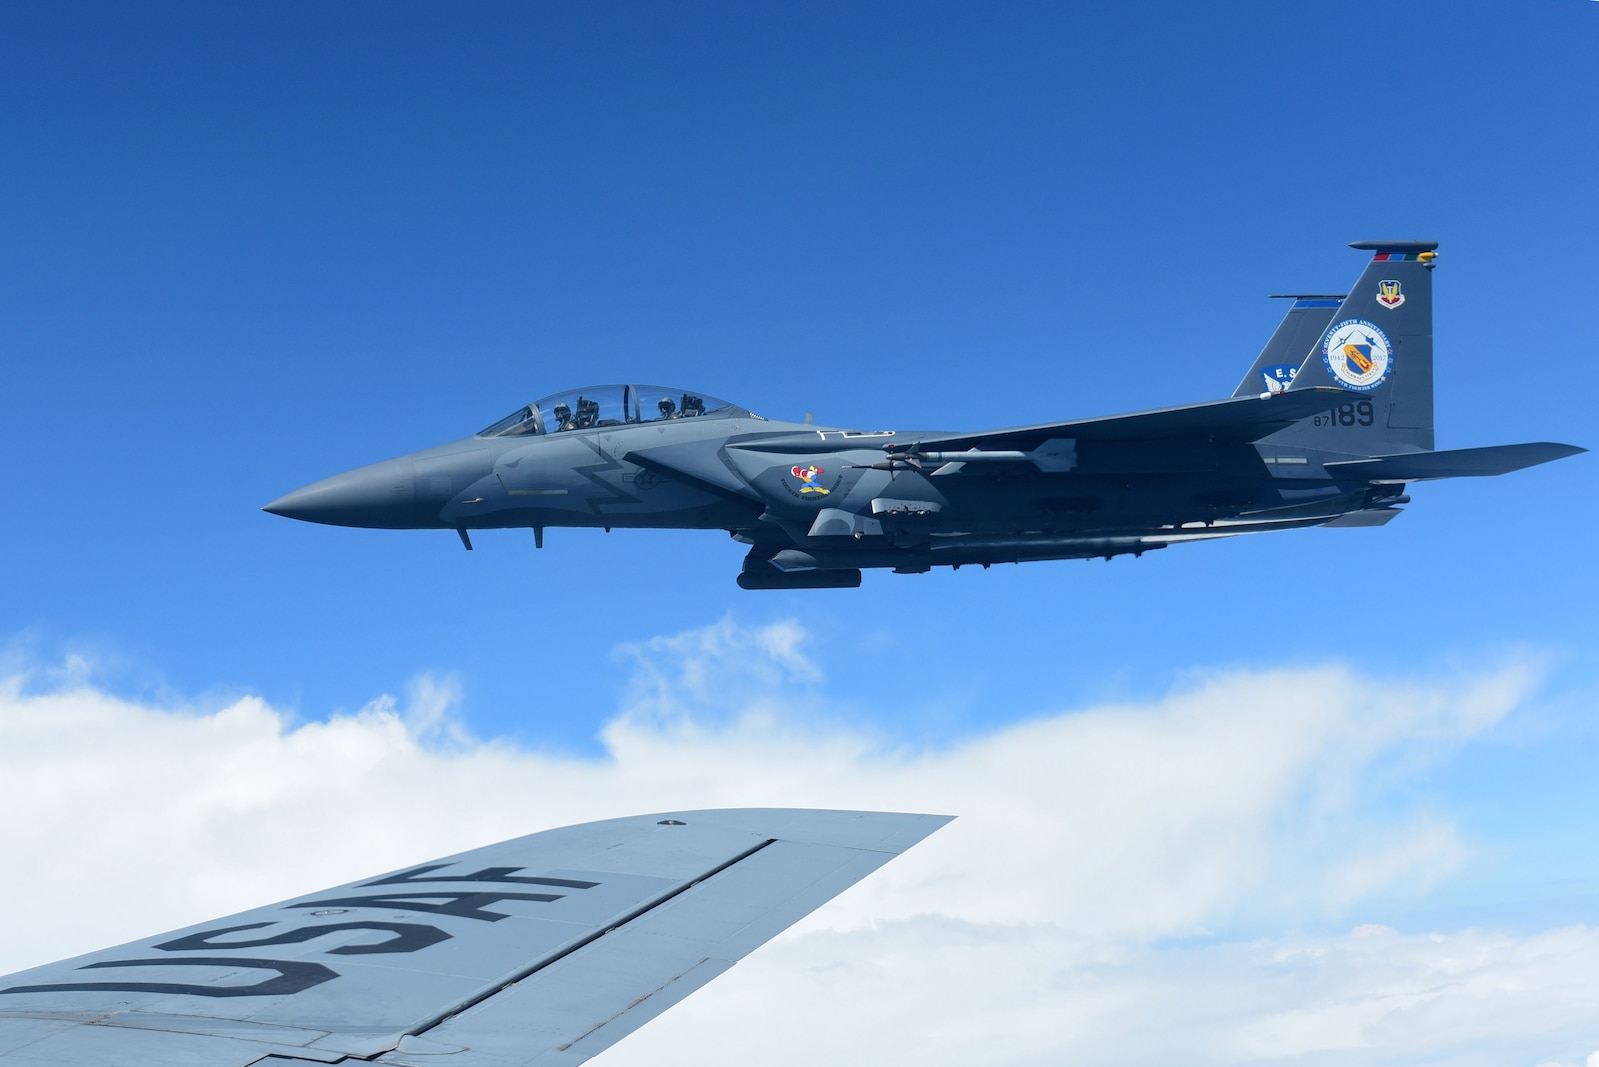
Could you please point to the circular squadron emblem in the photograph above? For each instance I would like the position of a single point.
(1358, 355)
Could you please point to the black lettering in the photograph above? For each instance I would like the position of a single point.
(408, 937)
(1346, 414)
(1364, 408)
(292, 977)
(487, 874)
(465, 905)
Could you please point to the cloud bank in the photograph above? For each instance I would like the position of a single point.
(1125, 884)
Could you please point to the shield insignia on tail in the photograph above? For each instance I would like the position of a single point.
(1358, 355)
(1390, 294)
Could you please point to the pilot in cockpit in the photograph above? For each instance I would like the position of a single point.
(668, 408)
(563, 418)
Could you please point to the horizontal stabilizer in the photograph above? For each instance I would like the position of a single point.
(1365, 517)
(1453, 463)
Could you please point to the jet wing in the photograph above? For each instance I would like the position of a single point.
(543, 950)
(1238, 419)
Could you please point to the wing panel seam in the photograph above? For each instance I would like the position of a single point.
(584, 942)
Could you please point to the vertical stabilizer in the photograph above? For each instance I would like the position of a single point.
(1378, 349)
(1301, 328)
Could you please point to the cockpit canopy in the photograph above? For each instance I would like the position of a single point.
(611, 405)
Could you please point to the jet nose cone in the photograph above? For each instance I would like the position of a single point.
(380, 495)
(283, 505)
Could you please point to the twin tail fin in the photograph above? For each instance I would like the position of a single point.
(1376, 345)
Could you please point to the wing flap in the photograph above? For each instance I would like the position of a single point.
(112, 1045)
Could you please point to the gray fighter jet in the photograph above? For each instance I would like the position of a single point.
(543, 950)
(1328, 428)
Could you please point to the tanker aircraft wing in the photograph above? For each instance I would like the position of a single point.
(543, 950)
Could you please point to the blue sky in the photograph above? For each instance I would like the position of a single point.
(252, 246)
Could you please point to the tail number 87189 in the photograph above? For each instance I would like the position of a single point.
(1357, 413)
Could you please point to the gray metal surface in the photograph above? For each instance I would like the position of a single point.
(1314, 435)
(1455, 463)
(546, 949)
(1302, 326)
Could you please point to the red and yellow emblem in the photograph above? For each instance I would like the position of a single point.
(1390, 294)
(1358, 355)
(808, 476)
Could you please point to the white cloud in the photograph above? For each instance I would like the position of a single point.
(715, 671)
(934, 991)
(1034, 930)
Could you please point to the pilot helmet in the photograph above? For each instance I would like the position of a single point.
(563, 411)
(666, 405)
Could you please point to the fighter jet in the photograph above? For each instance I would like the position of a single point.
(547, 949)
(1328, 428)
